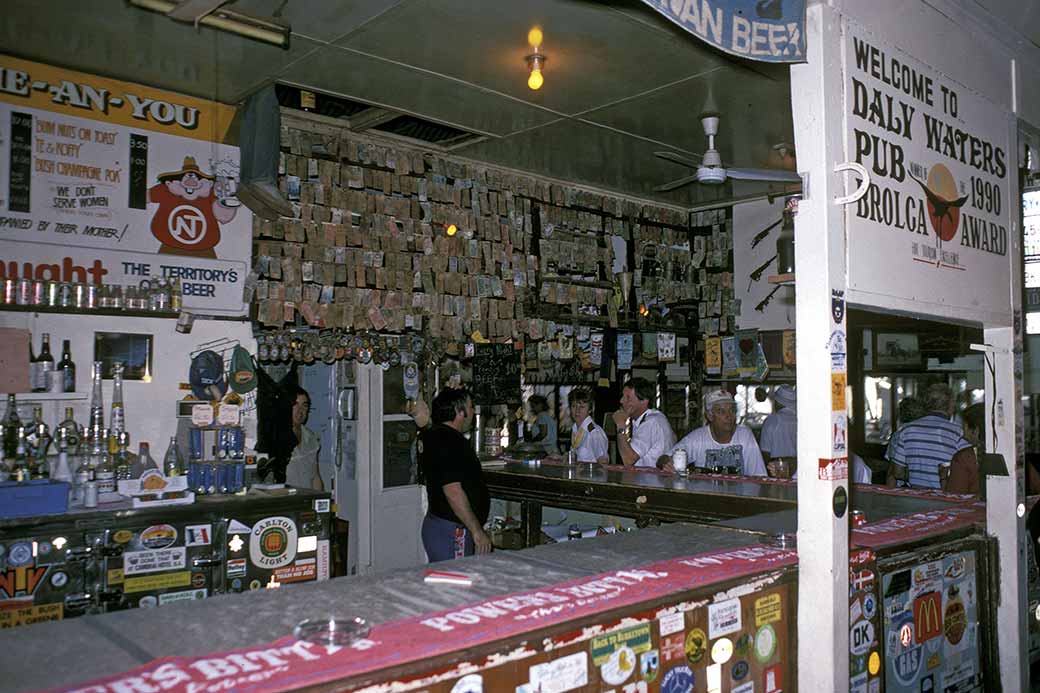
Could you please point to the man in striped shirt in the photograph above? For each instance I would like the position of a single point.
(931, 452)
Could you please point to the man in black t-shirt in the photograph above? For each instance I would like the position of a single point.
(458, 497)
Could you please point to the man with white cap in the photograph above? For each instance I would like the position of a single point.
(779, 439)
(721, 443)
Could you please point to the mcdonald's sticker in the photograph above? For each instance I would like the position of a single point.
(928, 622)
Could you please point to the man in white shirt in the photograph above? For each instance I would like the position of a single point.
(588, 441)
(779, 437)
(651, 435)
(721, 442)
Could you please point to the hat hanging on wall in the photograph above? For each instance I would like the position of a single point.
(207, 377)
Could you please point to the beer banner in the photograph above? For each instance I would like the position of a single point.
(771, 31)
(918, 526)
(933, 225)
(110, 182)
(290, 663)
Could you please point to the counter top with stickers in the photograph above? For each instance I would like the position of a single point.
(657, 585)
(648, 494)
(252, 500)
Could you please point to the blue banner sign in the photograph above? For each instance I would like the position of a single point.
(770, 31)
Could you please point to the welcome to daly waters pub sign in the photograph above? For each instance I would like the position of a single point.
(933, 226)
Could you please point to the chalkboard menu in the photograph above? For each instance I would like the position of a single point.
(496, 374)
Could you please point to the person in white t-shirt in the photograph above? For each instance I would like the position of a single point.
(650, 436)
(721, 442)
(588, 441)
(779, 438)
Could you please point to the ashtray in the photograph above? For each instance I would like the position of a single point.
(331, 631)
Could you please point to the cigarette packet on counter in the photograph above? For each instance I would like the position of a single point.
(441, 576)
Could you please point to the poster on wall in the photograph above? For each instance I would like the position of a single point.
(933, 226)
(108, 182)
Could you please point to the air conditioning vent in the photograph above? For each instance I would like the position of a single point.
(425, 131)
(331, 106)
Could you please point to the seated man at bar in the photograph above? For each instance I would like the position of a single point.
(588, 441)
(644, 434)
(720, 444)
(543, 429)
(459, 502)
(931, 445)
(779, 438)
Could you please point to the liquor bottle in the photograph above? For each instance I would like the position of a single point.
(118, 411)
(105, 473)
(67, 435)
(12, 422)
(67, 368)
(121, 462)
(44, 365)
(38, 436)
(144, 460)
(97, 403)
(172, 464)
(84, 473)
(34, 370)
(20, 470)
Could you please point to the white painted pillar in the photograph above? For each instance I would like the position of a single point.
(820, 265)
(1005, 495)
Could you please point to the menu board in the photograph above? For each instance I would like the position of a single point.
(109, 182)
(496, 374)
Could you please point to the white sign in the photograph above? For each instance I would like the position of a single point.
(563, 674)
(272, 543)
(934, 225)
(185, 596)
(723, 618)
(138, 562)
(109, 182)
(671, 623)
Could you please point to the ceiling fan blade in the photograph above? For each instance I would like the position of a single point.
(771, 175)
(680, 158)
(677, 183)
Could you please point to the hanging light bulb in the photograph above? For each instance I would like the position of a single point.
(534, 37)
(535, 63)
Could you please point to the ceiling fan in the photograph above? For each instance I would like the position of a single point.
(710, 170)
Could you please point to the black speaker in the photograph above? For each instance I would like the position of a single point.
(259, 140)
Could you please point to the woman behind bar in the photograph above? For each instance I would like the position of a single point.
(544, 428)
(588, 441)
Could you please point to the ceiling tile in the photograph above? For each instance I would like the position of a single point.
(398, 87)
(323, 20)
(595, 55)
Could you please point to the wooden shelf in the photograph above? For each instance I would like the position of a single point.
(782, 279)
(91, 311)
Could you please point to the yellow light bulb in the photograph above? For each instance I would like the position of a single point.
(534, 37)
(452, 229)
(536, 80)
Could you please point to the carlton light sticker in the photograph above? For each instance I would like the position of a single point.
(272, 543)
(933, 225)
(116, 183)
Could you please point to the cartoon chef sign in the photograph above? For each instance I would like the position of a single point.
(189, 216)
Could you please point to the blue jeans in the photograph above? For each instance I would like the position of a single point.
(445, 540)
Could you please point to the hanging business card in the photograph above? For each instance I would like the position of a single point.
(665, 346)
(730, 357)
(624, 351)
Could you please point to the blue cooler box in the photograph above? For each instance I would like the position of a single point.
(28, 498)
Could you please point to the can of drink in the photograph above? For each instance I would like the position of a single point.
(39, 292)
(79, 295)
(65, 297)
(10, 295)
(210, 476)
(859, 518)
(52, 293)
(24, 297)
(91, 294)
(224, 474)
(239, 480)
(193, 476)
(237, 439)
(195, 450)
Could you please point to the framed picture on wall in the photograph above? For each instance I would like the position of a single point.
(896, 350)
(134, 351)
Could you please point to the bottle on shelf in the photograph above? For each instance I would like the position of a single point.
(67, 368)
(34, 369)
(12, 422)
(121, 461)
(97, 403)
(144, 460)
(172, 463)
(38, 437)
(105, 473)
(118, 421)
(176, 298)
(21, 470)
(84, 473)
(44, 365)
